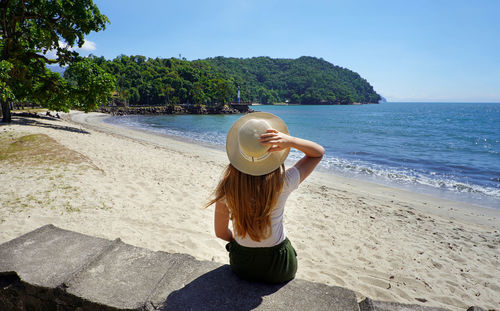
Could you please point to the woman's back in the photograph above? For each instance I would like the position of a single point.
(278, 234)
(253, 193)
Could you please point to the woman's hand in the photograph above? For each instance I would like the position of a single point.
(277, 140)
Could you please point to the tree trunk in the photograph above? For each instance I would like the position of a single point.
(6, 117)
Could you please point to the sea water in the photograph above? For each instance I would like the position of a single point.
(451, 150)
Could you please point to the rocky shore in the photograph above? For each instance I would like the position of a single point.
(179, 109)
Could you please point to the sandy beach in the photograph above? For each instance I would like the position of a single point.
(81, 174)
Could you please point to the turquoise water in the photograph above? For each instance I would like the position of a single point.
(447, 149)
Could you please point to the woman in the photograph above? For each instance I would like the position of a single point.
(253, 192)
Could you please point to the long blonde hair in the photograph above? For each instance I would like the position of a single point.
(250, 200)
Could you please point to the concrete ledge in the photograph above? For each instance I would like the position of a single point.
(48, 255)
(55, 269)
(16, 294)
(220, 289)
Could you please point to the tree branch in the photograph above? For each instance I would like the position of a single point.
(31, 16)
(38, 56)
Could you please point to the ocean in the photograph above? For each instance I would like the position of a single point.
(450, 150)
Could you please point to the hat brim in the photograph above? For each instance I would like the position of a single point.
(269, 164)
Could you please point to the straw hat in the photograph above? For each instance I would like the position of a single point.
(244, 150)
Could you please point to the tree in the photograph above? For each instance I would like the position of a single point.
(5, 91)
(89, 86)
(30, 29)
(306, 80)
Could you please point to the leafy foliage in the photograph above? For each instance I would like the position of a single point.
(5, 91)
(88, 84)
(28, 30)
(142, 81)
(306, 80)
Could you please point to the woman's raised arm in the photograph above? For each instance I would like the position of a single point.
(279, 141)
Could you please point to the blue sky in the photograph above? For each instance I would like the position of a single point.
(436, 50)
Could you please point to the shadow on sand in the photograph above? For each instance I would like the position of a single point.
(34, 122)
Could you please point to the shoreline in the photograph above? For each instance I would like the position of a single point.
(148, 189)
(464, 211)
(462, 199)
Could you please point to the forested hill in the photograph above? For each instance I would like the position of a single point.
(306, 80)
(212, 81)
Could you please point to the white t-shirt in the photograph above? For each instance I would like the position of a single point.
(292, 180)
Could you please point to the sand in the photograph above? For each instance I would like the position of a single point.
(149, 190)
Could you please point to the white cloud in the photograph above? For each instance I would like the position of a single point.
(87, 46)
(51, 54)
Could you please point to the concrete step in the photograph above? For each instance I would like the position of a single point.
(55, 269)
(52, 268)
(48, 256)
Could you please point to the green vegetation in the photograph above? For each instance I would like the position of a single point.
(306, 80)
(213, 81)
(69, 208)
(156, 82)
(28, 30)
(45, 164)
(36, 149)
(89, 85)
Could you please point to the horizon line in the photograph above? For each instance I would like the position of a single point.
(442, 102)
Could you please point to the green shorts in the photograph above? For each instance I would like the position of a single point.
(276, 264)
